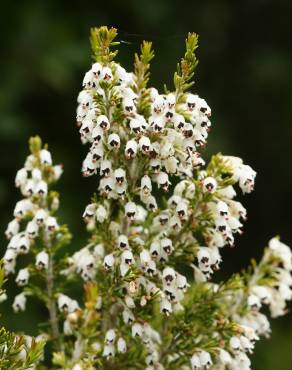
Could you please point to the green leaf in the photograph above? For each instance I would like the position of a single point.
(101, 41)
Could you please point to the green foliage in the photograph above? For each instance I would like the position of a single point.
(102, 39)
(186, 67)
(141, 70)
(35, 144)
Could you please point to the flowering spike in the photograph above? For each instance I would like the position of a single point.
(102, 39)
(186, 67)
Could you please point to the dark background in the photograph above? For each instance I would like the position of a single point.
(245, 73)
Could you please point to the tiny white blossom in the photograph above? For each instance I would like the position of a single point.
(122, 345)
(101, 214)
(109, 261)
(19, 303)
(42, 260)
(109, 351)
(131, 210)
(46, 157)
(22, 277)
(110, 336)
(137, 330)
(12, 229)
(209, 184)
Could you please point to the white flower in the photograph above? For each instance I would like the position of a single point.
(32, 229)
(3, 297)
(181, 282)
(209, 185)
(96, 69)
(163, 181)
(240, 362)
(22, 277)
(19, 303)
(158, 105)
(45, 157)
(282, 251)
(57, 171)
(246, 344)
(89, 211)
(254, 302)
(10, 256)
(110, 336)
(105, 168)
(128, 316)
(109, 351)
(145, 257)
(127, 257)
(103, 122)
(131, 210)
(40, 216)
(166, 245)
(12, 229)
(182, 210)
(137, 330)
(120, 176)
(36, 174)
(98, 303)
(195, 362)
(23, 244)
(96, 153)
(21, 177)
(224, 357)
(155, 165)
(77, 367)
(97, 134)
(42, 260)
(51, 224)
(22, 207)
(205, 359)
(169, 275)
(123, 241)
(106, 74)
(165, 306)
(146, 185)
(122, 345)
(144, 144)
(235, 344)
(151, 203)
(203, 256)
(101, 214)
(155, 249)
(109, 261)
(130, 303)
(67, 304)
(114, 141)
(131, 149)
(263, 293)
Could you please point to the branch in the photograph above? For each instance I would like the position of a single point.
(101, 40)
(186, 67)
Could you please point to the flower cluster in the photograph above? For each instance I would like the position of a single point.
(141, 143)
(34, 229)
(270, 285)
(267, 284)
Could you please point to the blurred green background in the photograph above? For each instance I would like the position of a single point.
(245, 73)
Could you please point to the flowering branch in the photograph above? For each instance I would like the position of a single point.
(159, 213)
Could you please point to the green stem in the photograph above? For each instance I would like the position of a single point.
(51, 302)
